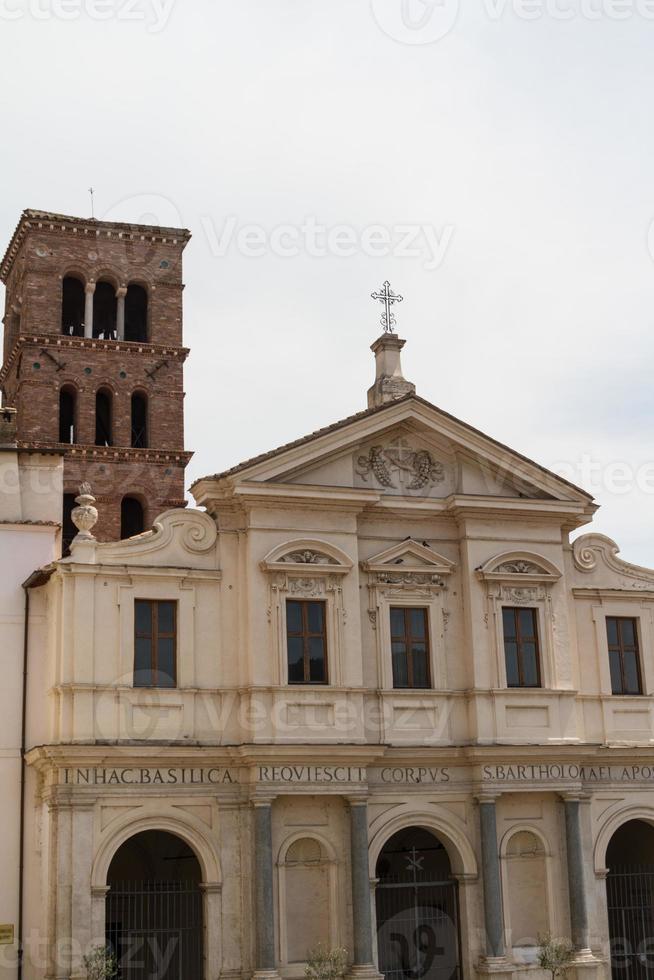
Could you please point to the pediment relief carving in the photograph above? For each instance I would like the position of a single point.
(519, 569)
(307, 558)
(591, 552)
(408, 565)
(399, 466)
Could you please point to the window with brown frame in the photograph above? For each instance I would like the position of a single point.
(624, 655)
(306, 641)
(521, 647)
(410, 648)
(155, 643)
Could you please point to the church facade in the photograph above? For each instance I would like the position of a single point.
(368, 694)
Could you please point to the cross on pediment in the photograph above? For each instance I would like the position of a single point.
(387, 297)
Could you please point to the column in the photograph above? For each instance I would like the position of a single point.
(88, 309)
(490, 861)
(263, 892)
(64, 890)
(120, 312)
(361, 913)
(576, 883)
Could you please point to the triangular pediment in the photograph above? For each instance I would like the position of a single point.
(408, 449)
(410, 556)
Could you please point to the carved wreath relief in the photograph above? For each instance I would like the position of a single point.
(400, 467)
(520, 567)
(308, 558)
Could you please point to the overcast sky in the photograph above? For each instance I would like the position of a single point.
(494, 160)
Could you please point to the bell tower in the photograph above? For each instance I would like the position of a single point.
(93, 360)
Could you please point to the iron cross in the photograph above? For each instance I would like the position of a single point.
(387, 297)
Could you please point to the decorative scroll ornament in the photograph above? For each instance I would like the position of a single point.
(399, 466)
(308, 558)
(85, 515)
(520, 568)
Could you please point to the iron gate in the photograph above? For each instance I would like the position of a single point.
(155, 929)
(630, 900)
(418, 928)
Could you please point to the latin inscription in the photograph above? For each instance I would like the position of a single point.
(555, 771)
(148, 777)
(312, 774)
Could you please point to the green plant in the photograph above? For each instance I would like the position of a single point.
(324, 963)
(555, 955)
(100, 963)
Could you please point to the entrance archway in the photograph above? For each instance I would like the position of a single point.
(630, 900)
(417, 909)
(154, 920)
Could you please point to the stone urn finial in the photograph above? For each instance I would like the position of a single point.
(85, 515)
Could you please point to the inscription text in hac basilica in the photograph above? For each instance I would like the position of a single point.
(148, 777)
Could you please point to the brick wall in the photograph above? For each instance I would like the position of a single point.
(40, 361)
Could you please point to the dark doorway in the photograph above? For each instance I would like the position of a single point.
(103, 400)
(68, 529)
(417, 909)
(67, 411)
(132, 518)
(104, 311)
(72, 307)
(139, 420)
(630, 900)
(136, 314)
(154, 920)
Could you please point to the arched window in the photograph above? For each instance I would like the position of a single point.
(136, 314)
(139, 420)
(67, 412)
(72, 307)
(104, 311)
(103, 400)
(132, 518)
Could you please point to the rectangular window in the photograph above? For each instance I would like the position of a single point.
(624, 658)
(410, 648)
(521, 650)
(155, 643)
(306, 640)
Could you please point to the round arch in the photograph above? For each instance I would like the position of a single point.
(196, 840)
(609, 827)
(303, 835)
(453, 838)
(106, 275)
(524, 828)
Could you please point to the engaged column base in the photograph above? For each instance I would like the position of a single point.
(497, 965)
(366, 972)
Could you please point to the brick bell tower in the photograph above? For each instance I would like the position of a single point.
(93, 360)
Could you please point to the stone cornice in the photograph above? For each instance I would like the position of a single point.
(61, 342)
(88, 228)
(113, 454)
